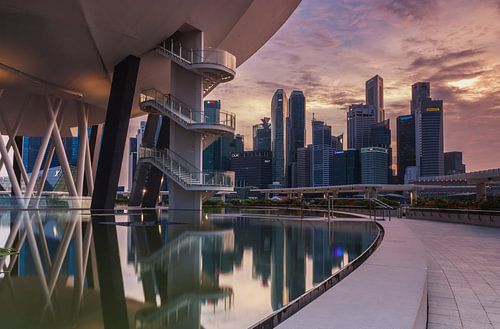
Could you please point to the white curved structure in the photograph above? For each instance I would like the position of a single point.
(59, 62)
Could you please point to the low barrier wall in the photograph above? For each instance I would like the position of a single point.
(474, 217)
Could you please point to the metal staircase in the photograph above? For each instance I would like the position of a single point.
(214, 65)
(184, 173)
(155, 102)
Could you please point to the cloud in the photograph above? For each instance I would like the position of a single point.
(409, 9)
(445, 58)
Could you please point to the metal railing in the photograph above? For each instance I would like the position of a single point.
(198, 56)
(183, 171)
(184, 112)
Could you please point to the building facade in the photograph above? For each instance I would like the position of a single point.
(252, 168)
(453, 163)
(405, 144)
(261, 135)
(360, 119)
(278, 136)
(429, 136)
(321, 154)
(304, 166)
(374, 89)
(346, 167)
(374, 162)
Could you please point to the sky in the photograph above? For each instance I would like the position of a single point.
(329, 48)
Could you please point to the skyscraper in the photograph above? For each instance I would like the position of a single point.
(297, 115)
(252, 168)
(405, 144)
(374, 90)
(278, 135)
(346, 167)
(321, 154)
(338, 142)
(360, 118)
(429, 140)
(374, 161)
(31, 145)
(304, 166)
(261, 134)
(380, 136)
(419, 92)
(453, 163)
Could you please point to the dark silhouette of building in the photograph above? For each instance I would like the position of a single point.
(321, 154)
(252, 168)
(278, 135)
(346, 167)
(360, 119)
(374, 162)
(453, 163)
(261, 134)
(405, 144)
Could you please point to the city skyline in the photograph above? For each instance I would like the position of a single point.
(324, 50)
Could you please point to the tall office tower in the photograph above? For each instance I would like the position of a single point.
(346, 167)
(453, 163)
(261, 134)
(338, 142)
(429, 140)
(380, 136)
(374, 161)
(304, 166)
(296, 133)
(278, 135)
(405, 144)
(360, 118)
(252, 168)
(419, 92)
(374, 89)
(132, 160)
(297, 115)
(321, 133)
(321, 154)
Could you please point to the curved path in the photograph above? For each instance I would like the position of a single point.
(463, 274)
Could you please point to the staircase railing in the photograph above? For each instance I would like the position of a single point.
(187, 174)
(198, 56)
(184, 112)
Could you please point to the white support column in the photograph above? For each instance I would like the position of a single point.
(97, 150)
(46, 170)
(10, 169)
(63, 160)
(82, 148)
(53, 111)
(88, 163)
(17, 124)
(17, 154)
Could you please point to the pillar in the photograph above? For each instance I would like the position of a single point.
(154, 181)
(17, 170)
(480, 191)
(115, 133)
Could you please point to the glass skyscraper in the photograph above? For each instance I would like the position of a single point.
(360, 119)
(429, 140)
(405, 144)
(278, 135)
(321, 154)
(261, 134)
(374, 89)
(374, 162)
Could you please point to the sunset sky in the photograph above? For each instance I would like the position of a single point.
(328, 48)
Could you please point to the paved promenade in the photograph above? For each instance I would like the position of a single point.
(463, 274)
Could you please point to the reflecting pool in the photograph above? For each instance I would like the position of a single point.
(149, 270)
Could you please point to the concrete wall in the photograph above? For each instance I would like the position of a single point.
(478, 217)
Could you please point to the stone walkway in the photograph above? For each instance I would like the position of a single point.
(463, 274)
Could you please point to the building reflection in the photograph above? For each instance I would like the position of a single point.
(69, 272)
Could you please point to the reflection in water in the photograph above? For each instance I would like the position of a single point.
(153, 271)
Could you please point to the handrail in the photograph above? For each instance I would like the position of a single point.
(185, 112)
(199, 56)
(184, 171)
